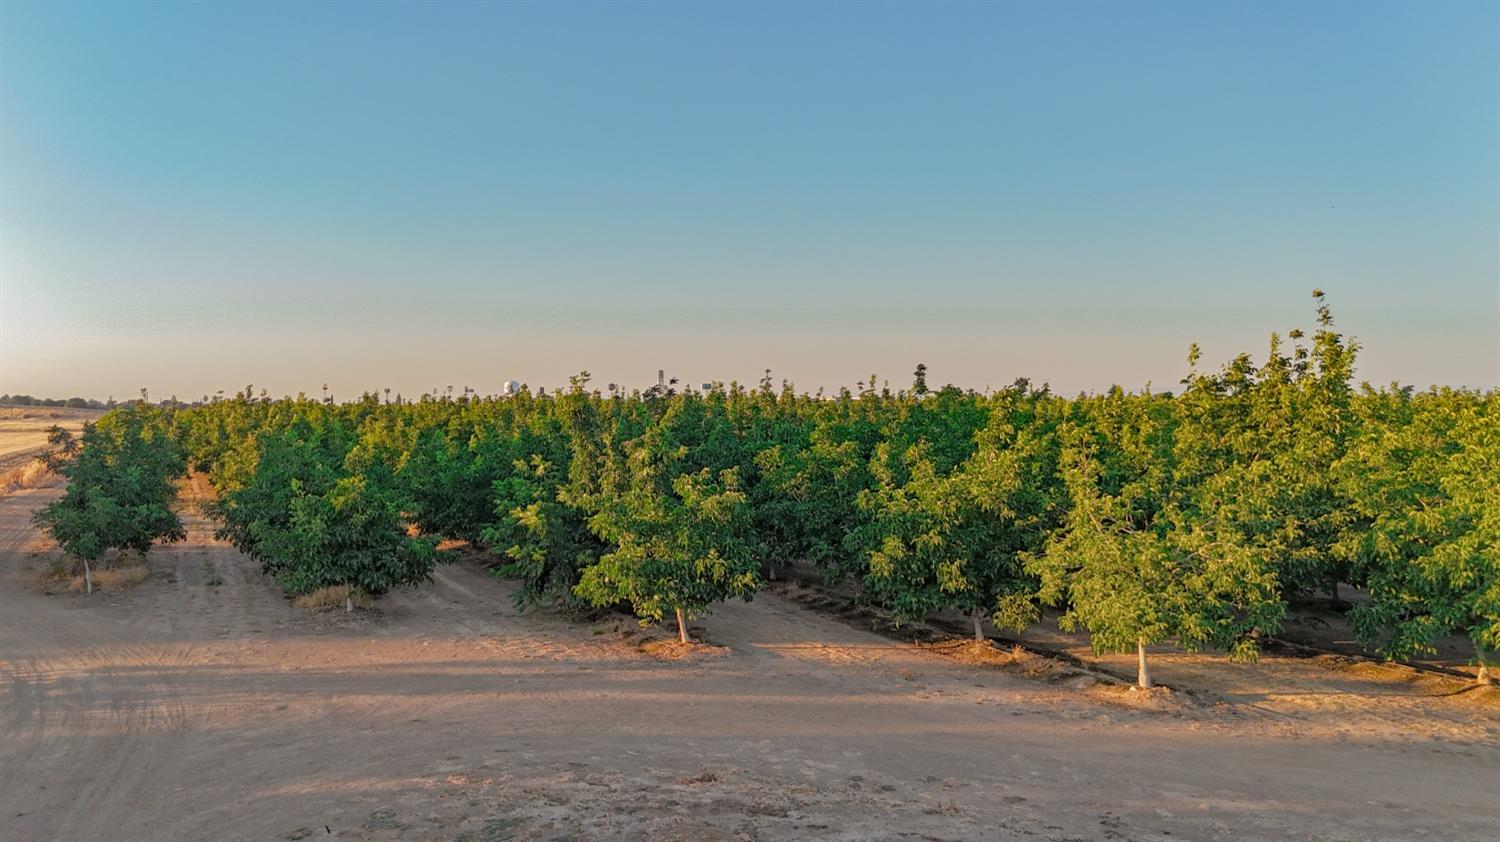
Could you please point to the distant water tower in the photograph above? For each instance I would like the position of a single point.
(510, 389)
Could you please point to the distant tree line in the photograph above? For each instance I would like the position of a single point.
(91, 403)
(73, 403)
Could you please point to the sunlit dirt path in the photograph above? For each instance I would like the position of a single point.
(201, 705)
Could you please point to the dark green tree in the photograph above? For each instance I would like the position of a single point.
(680, 534)
(1423, 475)
(1135, 562)
(121, 485)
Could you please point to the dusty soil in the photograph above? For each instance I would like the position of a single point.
(202, 705)
(1313, 666)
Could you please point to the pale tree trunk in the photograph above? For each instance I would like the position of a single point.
(1333, 590)
(1484, 676)
(1142, 675)
(88, 577)
(681, 626)
(978, 617)
(349, 603)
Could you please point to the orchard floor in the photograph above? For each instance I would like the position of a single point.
(201, 705)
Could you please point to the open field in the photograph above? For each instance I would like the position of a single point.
(201, 704)
(23, 431)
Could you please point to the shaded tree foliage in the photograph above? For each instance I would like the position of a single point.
(121, 476)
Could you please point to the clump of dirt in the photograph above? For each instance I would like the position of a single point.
(1373, 670)
(1156, 698)
(384, 819)
(672, 649)
(654, 643)
(1014, 660)
(1080, 681)
(1028, 664)
(974, 652)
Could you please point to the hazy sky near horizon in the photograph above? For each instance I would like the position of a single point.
(200, 196)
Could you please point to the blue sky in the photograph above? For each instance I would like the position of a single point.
(194, 197)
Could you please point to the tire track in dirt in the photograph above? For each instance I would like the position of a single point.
(93, 699)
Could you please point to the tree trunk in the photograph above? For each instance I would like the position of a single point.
(1333, 589)
(1484, 668)
(88, 577)
(349, 602)
(1142, 675)
(681, 626)
(978, 617)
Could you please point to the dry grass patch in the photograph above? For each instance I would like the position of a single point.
(338, 596)
(25, 476)
(111, 579)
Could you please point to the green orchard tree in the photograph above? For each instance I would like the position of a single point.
(316, 515)
(1301, 418)
(121, 485)
(546, 540)
(919, 380)
(1014, 481)
(682, 551)
(680, 535)
(352, 535)
(1134, 561)
(263, 475)
(917, 523)
(951, 532)
(806, 484)
(1262, 448)
(1423, 474)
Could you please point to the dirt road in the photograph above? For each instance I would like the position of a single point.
(201, 705)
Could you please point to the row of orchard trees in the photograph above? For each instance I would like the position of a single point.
(1145, 517)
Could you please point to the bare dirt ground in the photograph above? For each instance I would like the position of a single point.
(202, 705)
